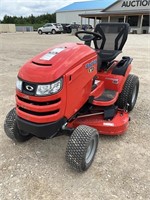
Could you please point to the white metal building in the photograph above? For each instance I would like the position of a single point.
(70, 13)
(135, 12)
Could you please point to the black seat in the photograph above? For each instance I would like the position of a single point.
(114, 36)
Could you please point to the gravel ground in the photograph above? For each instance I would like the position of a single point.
(36, 170)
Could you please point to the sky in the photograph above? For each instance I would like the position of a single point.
(28, 7)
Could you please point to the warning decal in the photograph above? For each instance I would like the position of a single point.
(52, 53)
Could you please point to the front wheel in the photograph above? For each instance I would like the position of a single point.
(11, 128)
(129, 94)
(40, 32)
(82, 147)
(53, 31)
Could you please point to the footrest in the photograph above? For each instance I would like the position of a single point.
(108, 97)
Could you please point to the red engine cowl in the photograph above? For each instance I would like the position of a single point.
(55, 62)
(76, 64)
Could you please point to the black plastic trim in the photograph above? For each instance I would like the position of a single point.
(110, 112)
(47, 130)
(122, 66)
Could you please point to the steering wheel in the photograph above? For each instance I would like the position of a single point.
(88, 36)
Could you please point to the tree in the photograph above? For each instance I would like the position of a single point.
(41, 19)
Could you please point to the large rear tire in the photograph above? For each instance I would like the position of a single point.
(129, 94)
(11, 128)
(82, 147)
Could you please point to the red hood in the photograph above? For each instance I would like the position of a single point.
(55, 62)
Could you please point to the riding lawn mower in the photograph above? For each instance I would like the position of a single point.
(79, 89)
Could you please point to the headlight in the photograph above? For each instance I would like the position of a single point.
(48, 89)
(19, 84)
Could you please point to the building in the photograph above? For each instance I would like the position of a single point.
(71, 13)
(7, 28)
(24, 28)
(135, 12)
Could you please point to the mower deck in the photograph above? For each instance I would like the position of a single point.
(117, 126)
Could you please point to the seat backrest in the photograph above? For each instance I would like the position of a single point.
(114, 35)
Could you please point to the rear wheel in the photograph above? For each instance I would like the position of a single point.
(53, 31)
(82, 147)
(11, 128)
(129, 94)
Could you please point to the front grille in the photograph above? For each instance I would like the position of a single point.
(46, 103)
(38, 113)
(48, 108)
